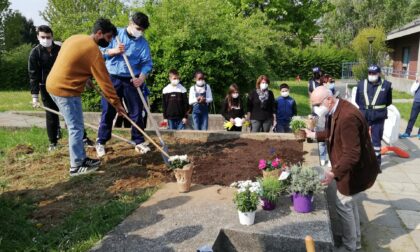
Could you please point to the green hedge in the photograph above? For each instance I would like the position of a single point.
(14, 68)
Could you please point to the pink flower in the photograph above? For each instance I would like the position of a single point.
(262, 164)
(275, 164)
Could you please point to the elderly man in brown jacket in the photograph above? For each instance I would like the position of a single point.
(354, 165)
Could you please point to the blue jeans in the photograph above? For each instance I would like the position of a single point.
(134, 105)
(282, 127)
(322, 151)
(71, 108)
(376, 133)
(175, 124)
(415, 110)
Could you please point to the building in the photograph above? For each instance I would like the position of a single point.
(405, 45)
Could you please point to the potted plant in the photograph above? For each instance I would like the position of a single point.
(246, 200)
(297, 125)
(182, 170)
(270, 190)
(271, 167)
(305, 182)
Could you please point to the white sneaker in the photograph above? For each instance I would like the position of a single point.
(323, 162)
(142, 148)
(100, 150)
(329, 164)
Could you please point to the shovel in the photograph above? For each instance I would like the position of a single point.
(165, 155)
(146, 106)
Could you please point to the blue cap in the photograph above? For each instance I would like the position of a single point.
(316, 69)
(374, 69)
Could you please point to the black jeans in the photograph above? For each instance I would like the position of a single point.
(52, 120)
(415, 110)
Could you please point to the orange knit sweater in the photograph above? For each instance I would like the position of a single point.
(78, 60)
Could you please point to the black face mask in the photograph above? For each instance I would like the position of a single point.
(103, 43)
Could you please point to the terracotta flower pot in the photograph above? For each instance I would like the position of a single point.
(300, 134)
(274, 173)
(183, 178)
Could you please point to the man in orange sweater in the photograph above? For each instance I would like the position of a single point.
(80, 59)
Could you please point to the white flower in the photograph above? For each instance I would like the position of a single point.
(234, 184)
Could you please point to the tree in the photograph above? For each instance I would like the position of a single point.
(69, 17)
(348, 17)
(360, 45)
(4, 6)
(298, 18)
(17, 30)
(207, 35)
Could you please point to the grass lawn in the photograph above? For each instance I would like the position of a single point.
(405, 110)
(43, 209)
(15, 100)
(401, 95)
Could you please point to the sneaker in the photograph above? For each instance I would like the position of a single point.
(323, 162)
(88, 143)
(53, 147)
(404, 136)
(100, 150)
(88, 166)
(142, 148)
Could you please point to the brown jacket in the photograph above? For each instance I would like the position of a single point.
(350, 149)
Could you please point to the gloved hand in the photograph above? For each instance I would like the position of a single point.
(35, 102)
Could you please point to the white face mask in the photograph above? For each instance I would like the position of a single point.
(235, 95)
(263, 86)
(373, 78)
(45, 42)
(136, 33)
(174, 82)
(321, 110)
(200, 83)
(285, 93)
(331, 85)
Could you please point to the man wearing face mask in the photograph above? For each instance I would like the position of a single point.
(41, 60)
(373, 96)
(354, 165)
(136, 47)
(79, 60)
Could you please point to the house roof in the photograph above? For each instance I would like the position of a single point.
(408, 29)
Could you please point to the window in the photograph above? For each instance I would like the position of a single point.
(405, 61)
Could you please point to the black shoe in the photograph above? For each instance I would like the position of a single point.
(88, 143)
(88, 166)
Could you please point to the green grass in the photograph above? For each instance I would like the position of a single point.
(401, 95)
(405, 111)
(94, 210)
(299, 92)
(15, 100)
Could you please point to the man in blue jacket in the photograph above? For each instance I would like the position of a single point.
(286, 109)
(373, 96)
(137, 49)
(415, 110)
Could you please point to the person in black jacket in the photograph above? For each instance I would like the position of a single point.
(232, 108)
(41, 59)
(175, 103)
(262, 106)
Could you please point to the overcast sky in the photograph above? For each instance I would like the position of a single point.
(30, 9)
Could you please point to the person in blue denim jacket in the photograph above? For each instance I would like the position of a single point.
(200, 98)
(137, 49)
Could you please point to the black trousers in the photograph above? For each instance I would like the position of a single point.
(52, 120)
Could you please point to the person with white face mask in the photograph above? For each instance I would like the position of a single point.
(232, 108)
(354, 166)
(262, 106)
(175, 103)
(137, 49)
(41, 60)
(200, 98)
(286, 109)
(373, 96)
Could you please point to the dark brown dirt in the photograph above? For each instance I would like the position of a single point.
(224, 162)
(44, 179)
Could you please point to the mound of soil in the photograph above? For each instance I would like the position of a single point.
(224, 162)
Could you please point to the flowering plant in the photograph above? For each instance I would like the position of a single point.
(246, 197)
(163, 124)
(270, 165)
(228, 125)
(177, 162)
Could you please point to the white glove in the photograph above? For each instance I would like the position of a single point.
(35, 102)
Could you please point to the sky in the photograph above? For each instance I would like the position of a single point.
(30, 9)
